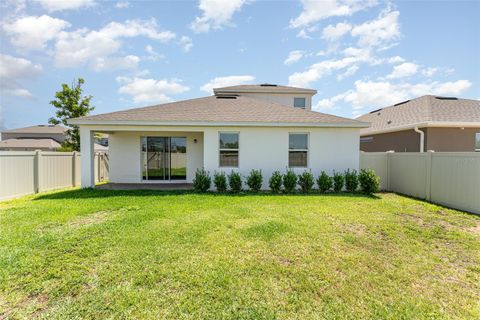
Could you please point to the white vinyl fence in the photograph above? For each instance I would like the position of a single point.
(27, 172)
(448, 178)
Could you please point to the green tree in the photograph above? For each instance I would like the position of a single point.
(71, 103)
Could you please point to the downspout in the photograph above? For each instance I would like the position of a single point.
(422, 137)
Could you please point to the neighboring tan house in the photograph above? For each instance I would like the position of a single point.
(421, 124)
(40, 137)
(240, 128)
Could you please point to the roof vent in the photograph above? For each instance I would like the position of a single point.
(268, 85)
(226, 97)
(400, 103)
(446, 98)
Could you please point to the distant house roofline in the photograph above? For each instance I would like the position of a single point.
(264, 88)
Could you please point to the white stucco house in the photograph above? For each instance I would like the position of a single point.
(267, 127)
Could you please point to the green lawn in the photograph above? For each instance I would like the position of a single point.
(141, 254)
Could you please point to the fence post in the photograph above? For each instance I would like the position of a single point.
(74, 168)
(36, 171)
(428, 175)
(389, 168)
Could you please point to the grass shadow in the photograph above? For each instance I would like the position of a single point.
(105, 193)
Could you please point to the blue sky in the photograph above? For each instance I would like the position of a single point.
(358, 54)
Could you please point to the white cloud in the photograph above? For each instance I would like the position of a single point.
(13, 69)
(294, 56)
(396, 59)
(33, 32)
(383, 93)
(122, 4)
(315, 11)
(219, 82)
(186, 43)
(333, 33)
(429, 72)
(403, 70)
(59, 5)
(379, 32)
(150, 90)
(152, 54)
(216, 14)
(110, 63)
(85, 46)
(350, 72)
(353, 56)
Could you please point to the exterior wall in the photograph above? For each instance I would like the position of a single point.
(400, 141)
(436, 139)
(264, 148)
(282, 98)
(125, 157)
(450, 139)
(267, 149)
(18, 135)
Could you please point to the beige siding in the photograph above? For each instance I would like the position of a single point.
(28, 172)
(448, 178)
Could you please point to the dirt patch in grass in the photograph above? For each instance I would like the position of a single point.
(356, 228)
(38, 304)
(91, 219)
(475, 230)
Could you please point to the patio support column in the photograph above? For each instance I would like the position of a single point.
(87, 157)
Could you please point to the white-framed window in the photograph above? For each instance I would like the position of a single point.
(229, 149)
(366, 139)
(477, 141)
(298, 150)
(299, 102)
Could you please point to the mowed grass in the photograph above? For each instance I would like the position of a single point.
(99, 254)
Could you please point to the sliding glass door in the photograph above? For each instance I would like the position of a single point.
(164, 158)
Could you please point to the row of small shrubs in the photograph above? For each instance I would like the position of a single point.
(368, 181)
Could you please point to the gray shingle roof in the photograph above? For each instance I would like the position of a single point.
(47, 128)
(30, 143)
(220, 110)
(421, 110)
(263, 88)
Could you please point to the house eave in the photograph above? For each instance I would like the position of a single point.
(429, 124)
(217, 124)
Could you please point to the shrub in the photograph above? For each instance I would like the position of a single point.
(324, 182)
(275, 182)
(235, 181)
(202, 180)
(369, 181)
(338, 181)
(254, 180)
(220, 181)
(306, 181)
(351, 180)
(289, 181)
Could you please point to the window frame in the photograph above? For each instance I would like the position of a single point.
(228, 149)
(304, 150)
(304, 102)
(477, 138)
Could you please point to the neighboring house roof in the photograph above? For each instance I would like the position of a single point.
(38, 129)
(98, 147)
(30, 143)
(217, 110)
(425, 111)
(263, 88)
